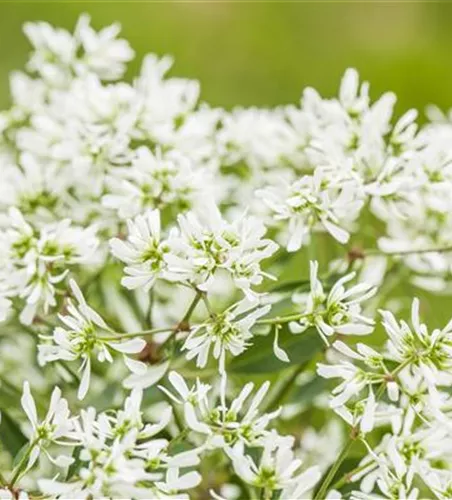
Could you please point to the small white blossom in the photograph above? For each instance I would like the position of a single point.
(56, 426)
(337, 312)
(312, 202)
(226, 332)
(278, 468)
(82, 338)
(143, 251)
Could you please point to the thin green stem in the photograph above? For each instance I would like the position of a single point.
(207, 305)
(154, 331)
(21, 466)
(280, 319)
(132, 335)
(321, 493)
(347, 478)
(392, 375)
(192, 307)
(149, 311)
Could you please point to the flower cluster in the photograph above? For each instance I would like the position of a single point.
(34, 260)
(193, 254)
(217, 293)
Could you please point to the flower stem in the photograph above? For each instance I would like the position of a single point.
(192, 307)
(391, 376)
(143, 333)
(347, 477)
(18, 471)
(321, 493)
(285, 388)
(280, 319)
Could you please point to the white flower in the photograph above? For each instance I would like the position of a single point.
(313, 202)
(56, 426)
(143, 251)
(337, 312)
(223, 424)
(165, 101)
(155, 181)
(261, 137)
(81, 339)
(39, 259)
(104, 54)
(277, 470)
(427, 354)
(226, 332)
(208, 243)
(58, 54)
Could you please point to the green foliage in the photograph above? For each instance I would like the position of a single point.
(260, 357)
(11, 436)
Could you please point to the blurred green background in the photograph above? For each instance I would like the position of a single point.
(265, 53)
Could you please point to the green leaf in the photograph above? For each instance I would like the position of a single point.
(75, 466)
(11, 436)
(306, 392)
(289, 286)
(259, 358)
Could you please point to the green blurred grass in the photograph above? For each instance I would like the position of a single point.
(264, 53)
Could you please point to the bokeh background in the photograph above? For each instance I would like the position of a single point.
(263, 54)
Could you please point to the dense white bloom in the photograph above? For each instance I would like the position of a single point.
(181, 193)
(312, 202)
(155, 181)
(208, 243)
(196, 253)
(261, 137)
(118, 454)
(222, 424)
(40, 259)
(58, 55)
(427, 354)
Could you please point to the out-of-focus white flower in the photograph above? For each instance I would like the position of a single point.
(313, 202)
(5, 306)
(58, 55)
(103, 53)
(37, 260)
(155, 181)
